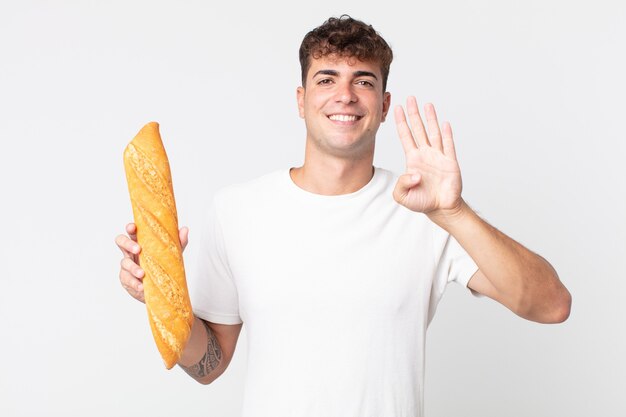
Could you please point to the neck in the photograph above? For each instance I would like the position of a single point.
(329, 175)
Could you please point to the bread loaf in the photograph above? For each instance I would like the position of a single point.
(154, 210)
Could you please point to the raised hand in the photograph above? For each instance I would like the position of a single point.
(432, 183)
(131, 274)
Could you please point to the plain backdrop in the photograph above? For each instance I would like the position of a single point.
(535, 93)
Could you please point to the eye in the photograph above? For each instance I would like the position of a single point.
(365, 83)
(324, 81)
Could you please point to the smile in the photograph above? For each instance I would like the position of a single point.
(344, 117)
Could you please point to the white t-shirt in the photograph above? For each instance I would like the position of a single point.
(336, 293)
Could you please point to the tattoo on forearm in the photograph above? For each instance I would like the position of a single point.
(211, 358)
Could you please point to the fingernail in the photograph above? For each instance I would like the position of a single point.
(140, 272)
(139, 287)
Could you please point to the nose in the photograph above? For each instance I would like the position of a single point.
(345, 93)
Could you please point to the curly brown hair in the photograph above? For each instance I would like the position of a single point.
(345, 37)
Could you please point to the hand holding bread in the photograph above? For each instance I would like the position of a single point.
(159, 248)
(131, 274)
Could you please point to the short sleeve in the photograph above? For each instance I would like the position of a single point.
(452, 264)
(212, 289)
(456, 264)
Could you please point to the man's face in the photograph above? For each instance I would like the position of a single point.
(343, 105)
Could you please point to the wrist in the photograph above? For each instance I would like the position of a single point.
(194, 348)
(449, 219)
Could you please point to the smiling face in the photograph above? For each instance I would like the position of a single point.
(343, 104)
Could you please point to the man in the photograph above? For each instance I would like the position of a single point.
(335, 271)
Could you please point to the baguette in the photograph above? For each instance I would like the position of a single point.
(154, 210)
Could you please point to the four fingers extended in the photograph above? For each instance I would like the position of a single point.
(417, 135)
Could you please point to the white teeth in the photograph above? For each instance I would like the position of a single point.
(342, 117)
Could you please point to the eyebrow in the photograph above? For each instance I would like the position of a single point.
(355, 73)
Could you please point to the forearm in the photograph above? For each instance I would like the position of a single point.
(202, 356)
(521, 280)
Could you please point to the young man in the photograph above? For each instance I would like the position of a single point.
(336, 267)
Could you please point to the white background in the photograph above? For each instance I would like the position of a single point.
(535, 94)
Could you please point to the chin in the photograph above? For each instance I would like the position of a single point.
(351, 150)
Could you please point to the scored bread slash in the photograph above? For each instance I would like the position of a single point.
(154, 210)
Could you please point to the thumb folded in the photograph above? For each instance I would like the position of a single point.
(404, 184)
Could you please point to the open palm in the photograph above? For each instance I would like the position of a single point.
(433, 179)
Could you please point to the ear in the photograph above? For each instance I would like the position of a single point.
(300, 97)
(386, 104)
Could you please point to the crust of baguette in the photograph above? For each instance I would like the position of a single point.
(154, 210)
